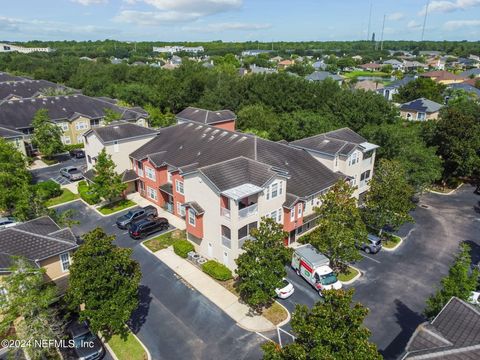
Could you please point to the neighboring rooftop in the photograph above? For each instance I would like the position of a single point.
(453, 334)
(7, 77)
(442, 75)
(466, 87)
(322, 75)
(121, 131)
(421, 105)
(471, 72)
(399, 83)
(9, 133)
(27, 88)
(203, 116)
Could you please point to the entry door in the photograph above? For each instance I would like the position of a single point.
(210, 250)
(225, 258)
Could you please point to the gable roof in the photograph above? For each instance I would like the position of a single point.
(399, 83)
(322, 75)
(9, 133)
(421, 105)
(19, 114)
(35, 240)
(206, 116)
(468, 73)
(442, 75)
(190, 146)
(120, 131)
(453, 334)
(7, 77)
(26, 88)
(467, 87)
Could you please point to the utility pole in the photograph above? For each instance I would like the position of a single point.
(425, 19)
(369, 21)
(383, 28)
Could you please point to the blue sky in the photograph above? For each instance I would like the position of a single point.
(236, 20)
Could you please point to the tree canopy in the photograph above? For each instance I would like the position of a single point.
(107, 184)
(421, 88)
(47, 136)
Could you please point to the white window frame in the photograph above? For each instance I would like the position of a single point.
(67, 140)
(353, 159)
(64, 126)
(180, 209)
(279, 215)
(81, 125)
(292, 214)
(80, 139)
(274, 191)
(191, 217)
(151, 191)
(64, 262)
(179, 186)
(424, 116)
(169, 177)
(300, 209)
(150, 173)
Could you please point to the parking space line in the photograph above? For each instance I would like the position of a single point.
(368, 257)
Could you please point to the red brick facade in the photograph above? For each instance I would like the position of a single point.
(226, 125)
(197, 229)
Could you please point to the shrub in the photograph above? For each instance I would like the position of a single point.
(216, 270)
(48, 189)
(182, 248)
(86, 194)
(73, 146)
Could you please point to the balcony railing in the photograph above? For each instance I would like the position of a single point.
(242, 240)
(226, 242)
(225, 213)
(248, 211)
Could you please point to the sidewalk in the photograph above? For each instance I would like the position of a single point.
(172, 219)
(215, 292)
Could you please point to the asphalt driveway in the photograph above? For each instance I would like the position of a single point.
(53, 171)
(173, 320)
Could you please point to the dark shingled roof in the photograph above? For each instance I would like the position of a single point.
(120, 131)
(323, 75)
(166, 188)
(129, 175)
(8, 77)
(195, 206)
(290, 201)
(34, 240)
(27, 88)
(422, 105)
(235, 172)
(19, 114)
(185, 144)
(453, 334)
(205, 116)
(9, 133)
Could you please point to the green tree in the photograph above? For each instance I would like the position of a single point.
(339, 226)
(157, 118)
(104, 282)
(261, 267)
(459, 282)
(330, 330)
(389, 200)
(418, 88)
(26, 304)
(111, 115)
(46, 135)
(107, 184)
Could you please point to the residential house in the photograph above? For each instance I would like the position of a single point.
(471, 73)
(285, 63)
(7, 77)
(262, 70)
(443, 77)
(14, 90)
(42, 243)
(413, 66)
(396, 65)
(118, 139)
(436, 63)
(368, 85)
(74, 114)
(370, 67)
(16, 138)
(420, 109)
(430, 53)
(322, 75)
(255, 52)
(276, 59)
(319, 65)
(178, 48)
(357, 58)
(223, 119)
(343, 151)
(391, 89)
(453, 334)
(466, 87)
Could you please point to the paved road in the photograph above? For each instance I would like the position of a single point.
(396, 285)
(52, 172)
(173, 320)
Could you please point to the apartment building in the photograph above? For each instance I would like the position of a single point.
(178, 48)
(74, 114)
(22, 49)
(223, 182)
(16, 90)
(223, 119)
(15, 138)
(420, 110)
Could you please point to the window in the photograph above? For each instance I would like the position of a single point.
(65, 261)
(80, 125)
(64, 126)
(150, 173)
(79, 139)
(152, 193)
(292, 214)
(245, 230)
(336, 161)
(66, 140)
(169, 177)
(179, 186)
(115, 146)
(180, 209)
(300, 209)
(353, 159)
(280, 189)
(89, 159)
(191, 217)
(95, 122)
(365, 175)
(421, 116)
(276, 215)
(140, 168)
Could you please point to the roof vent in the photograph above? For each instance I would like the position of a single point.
(180, 147)
(57, 98)
(218, 113)
(64, 109)
(198, 154)
(325, 141)
(20, 101)
(211, 138)
(203, 135)
(115, 127)
(10, 102)
(32, 100)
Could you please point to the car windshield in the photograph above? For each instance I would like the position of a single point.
(129, 214)
(285, 283)
(328, 279)
(72, 170)
(82, 339)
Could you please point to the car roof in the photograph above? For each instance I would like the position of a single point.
(372, 237)
(78, 329)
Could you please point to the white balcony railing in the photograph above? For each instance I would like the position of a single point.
(225, 213)
(248, 211)
(242, 240)
(226, 242)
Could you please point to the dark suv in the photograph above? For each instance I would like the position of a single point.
(372, 246)
(77, 153)
(86, 345)
(124, 221)
(141, 228)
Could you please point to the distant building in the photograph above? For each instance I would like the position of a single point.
(255, 52)
(319, 65)
(178, 48)
(15, 90)
(396, 65)
(420, 110)
(261, 70)
(370, 67)
(443, 77)
(391, 89)
(471, 73)
(223, 119)
(322, 75)
(285, 63)
(368, 85)
(22, 49)
(16, 138)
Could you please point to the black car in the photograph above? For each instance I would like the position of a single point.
(124, 221)
(86, 344)
(77, 153)
(141, 228)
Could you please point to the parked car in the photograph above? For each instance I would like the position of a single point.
(77, 153)
(86, 344)
(286, 290)
(141, 228)
(372, 246)
(71, 173)
(124, 221)
(6, 222)
(474, 298)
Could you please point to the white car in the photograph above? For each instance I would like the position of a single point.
(6, 222)
(474, 298)
(285, 291)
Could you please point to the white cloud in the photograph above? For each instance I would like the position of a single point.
(395, 16)
(198, 6)
(219, 27)
(413, 25)
(153, 18)
(449, 6)
(90, 2)
(457, 24)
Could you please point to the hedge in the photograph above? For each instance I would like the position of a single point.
(216, 270)
(182, 248)
(85, 193)
(73, 146)
(48, 189)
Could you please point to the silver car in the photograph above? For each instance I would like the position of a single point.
(6, 222)
(71, 173)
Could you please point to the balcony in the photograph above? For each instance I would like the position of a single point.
(226, 242)
(225, 213)
(241, 241)
(248, 211)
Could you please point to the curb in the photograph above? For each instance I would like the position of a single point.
(355, 278)
(114, 213)
(109, 349)
(289, 317)
(395, 247)
(445, 194)
(149, 356)
(64, 203)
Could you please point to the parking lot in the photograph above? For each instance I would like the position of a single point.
(53, 172)
(395, 285)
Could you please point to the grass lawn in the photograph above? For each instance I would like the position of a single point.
(165, 240)
(116, 206)
(275, 313)
(67, 195)
(129, 349)
(351, 273)
(357, 73)
(391, 241)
